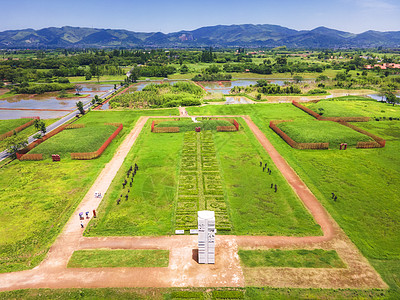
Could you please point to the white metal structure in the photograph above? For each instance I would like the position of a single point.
(206, 236)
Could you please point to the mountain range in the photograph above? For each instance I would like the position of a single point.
(246, 35)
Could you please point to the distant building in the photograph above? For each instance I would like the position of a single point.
(383, 66)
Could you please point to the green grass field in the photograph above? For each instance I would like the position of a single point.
(322, 132)
(27, 131)
(150, 204)
(355, 106)
(189, 125)
(37, 198)
(8, 125)
(119, 258)
(365, 181)
(264, 213)
(87, 139)
(317, 258)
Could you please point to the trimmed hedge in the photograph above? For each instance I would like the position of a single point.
(31, 157)
(75, 126)
(165, 129)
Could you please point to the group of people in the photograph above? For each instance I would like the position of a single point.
(132, 170)
(264, 166)
(81, 217)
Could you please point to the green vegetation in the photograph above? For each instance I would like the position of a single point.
(189, 125)
(39, 197)
(198, 293)
(244, 186)
(255, 208)
(317, 258)
(41, 88)
(149, 207)
(354, 106)
(119, 258)
(161, 95)
(87, 139)
(322, 132)
(8, 125)
(364, 181)
(24, 134)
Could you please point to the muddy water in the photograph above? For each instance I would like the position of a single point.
(47, 101)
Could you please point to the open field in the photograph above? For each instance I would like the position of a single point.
(87, 139)
(243, 182)
(317, 258)
(149, 208)
(27, 132)
(353, 106)
(189, 125)
(119, 258)
(363, 180)
(8, 125)
(322, 132)
(37, 198)
(197, 293)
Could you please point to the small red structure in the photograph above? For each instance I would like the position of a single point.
(198, 129)
(56, 157)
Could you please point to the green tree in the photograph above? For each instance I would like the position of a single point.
(297, 78)
(184, 69)
(391, 98)
(15, 143)
(79, 105)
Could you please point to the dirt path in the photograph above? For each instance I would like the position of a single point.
(183, 270)
(183, 112)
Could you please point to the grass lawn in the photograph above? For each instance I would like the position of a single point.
(27, 132)
(322, 132)
(150, 205)
(119, 258)
(8, 125)
(37, 198)
(189, 125)
(254, 206)
(365, 181)
(87, 139)
(149, 210)
(198, 293)
(355, 106)
(317, 258)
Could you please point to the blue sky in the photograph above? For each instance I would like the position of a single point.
(167, 16)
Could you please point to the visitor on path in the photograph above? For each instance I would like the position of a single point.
(272, 185)
(87, 215)
(94, 213)
(81, 216)
(82, 225)
(276, 188)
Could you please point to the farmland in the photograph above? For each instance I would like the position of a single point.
(8, 125)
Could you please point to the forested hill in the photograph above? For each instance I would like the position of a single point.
(217, 36)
